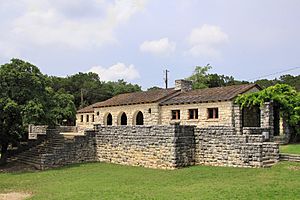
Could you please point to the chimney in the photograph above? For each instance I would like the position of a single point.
(183, 85)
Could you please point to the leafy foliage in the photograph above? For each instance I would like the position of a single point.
(89, 86)
(285, 95)
(202, 79)
(10, 125)
(154, 88)
(293, 81)
(26, 99)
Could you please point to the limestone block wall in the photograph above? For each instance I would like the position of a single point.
(225, 114)
(79, 149)
(160, 146)
(165, 147)
(222, 146)
(150, 113)
(84, 124)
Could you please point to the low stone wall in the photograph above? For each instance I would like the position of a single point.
(79, 149)
(159, 146)
(221, 146)
(164, 147)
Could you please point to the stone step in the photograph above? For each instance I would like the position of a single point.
(266, 162)
(289, 157)
(34, 164)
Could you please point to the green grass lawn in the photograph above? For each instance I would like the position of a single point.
(109, 181)
(290, 148)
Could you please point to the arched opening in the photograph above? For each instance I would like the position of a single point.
(139, 118)
(108, 119)
(123, 119)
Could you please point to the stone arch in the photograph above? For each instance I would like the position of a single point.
(122, 119)
(138, 118)
(108, 119)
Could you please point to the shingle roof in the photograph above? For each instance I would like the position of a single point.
(210, 94)
(132, 98)
(137, 98)
(88, 109)
(171, 96)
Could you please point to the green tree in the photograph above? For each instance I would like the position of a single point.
(154, 88)
(64, 110)
(26, 99)
(200, 77)
(121, 86)
(291, 80)
(10, 125)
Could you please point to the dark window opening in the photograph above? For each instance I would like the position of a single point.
(251, 116)
(109, 120)
(276, 119)
(213, 113)
(139, 118)
(123, 119)
(93, 118)
(87, 118)
(193, 113)
(81, 118)
(149, 111)
(175, 114)
(98, 113)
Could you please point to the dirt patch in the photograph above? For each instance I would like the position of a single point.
(15, 196)
(16, 167)
(294, 168)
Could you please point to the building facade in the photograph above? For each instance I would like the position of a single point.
(179, 105)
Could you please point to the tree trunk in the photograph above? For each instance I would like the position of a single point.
(3, 158)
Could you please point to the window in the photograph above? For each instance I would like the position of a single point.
(213, 113)
(193, 113)
(123, 119)
(175, 114)
(93, 118)
(109, 119)
(87, 118)
(139, 118)
(81, 118)
(98, 113)
(149, 110)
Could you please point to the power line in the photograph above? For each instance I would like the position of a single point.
(279, 72)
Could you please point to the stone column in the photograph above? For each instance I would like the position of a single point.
(267, 119)
(237, 119)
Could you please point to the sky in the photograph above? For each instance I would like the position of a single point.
(136, 40)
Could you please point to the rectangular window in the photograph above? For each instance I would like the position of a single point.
(213, 113)
(93, 118)
(87, 118)
(175, 114)
(81, 118)
(193, 113)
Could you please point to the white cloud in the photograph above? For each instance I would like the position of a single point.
(116, 72)
(159, 47)
(206, 40)
(75, 24)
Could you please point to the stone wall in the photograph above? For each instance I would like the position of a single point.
(150, 112)
(64, 151)
(222, 146)
(225, 114)
(164, 147)
(160, 146)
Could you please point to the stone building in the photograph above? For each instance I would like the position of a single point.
(166, 128)
(179, 105)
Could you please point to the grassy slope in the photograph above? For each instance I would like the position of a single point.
(108, 181)
(290, 148)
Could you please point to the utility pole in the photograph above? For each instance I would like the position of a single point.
(166, 78)
(81, 97)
